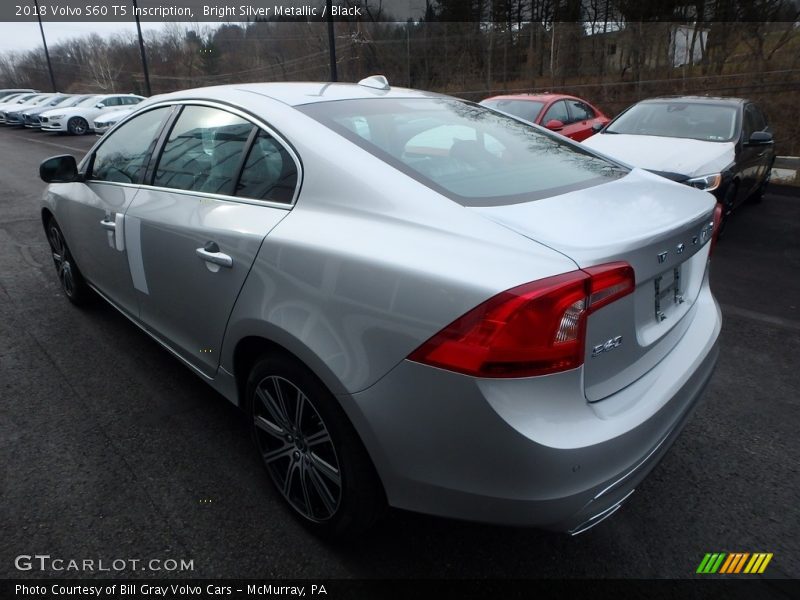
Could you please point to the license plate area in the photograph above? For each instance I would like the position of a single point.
(668, 293)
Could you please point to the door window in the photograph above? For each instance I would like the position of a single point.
(579, 111)
(557, 111)
(756, 117)
(123, 155)
(204, 151)
(269, 173)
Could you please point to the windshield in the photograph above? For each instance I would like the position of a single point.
(69, 101)
(56, 101)
(473, 155)
(524, 109)
(89, 100)
(694, 120)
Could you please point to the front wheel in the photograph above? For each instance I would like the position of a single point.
(728, 202)
(310, 449)
(69, 276)
(758, 195)
(77, 126)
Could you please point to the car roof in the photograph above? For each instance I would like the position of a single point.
(698, 100)
(543, 97)
(295, 93)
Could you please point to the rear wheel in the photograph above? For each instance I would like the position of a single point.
(69, 276)
(77, 126)
(310, 450)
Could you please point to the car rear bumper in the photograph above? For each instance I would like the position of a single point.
(529, 451)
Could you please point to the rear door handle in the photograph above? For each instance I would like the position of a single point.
(210, 253)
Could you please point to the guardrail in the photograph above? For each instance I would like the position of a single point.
(786, 170)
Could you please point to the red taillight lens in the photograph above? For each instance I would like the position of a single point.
(715, 231)
(533, 329)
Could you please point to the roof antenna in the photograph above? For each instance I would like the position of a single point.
(377, 82)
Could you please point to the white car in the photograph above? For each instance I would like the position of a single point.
(36, 100)
(17, 99)
(77, 120)
(105, 121)
(12, 115)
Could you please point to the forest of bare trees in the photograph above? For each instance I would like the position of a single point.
(612, 52)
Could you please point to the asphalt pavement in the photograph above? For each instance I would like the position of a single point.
(111, 449)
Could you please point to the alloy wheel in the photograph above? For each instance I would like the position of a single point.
(297, 448)
(61, 260)
(79, 126)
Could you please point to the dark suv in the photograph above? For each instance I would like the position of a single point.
(720, 145)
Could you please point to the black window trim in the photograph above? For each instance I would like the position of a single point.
(169, 122)
(87, 165)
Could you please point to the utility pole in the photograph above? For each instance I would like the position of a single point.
(46, 51)
(141, 50)
(331, 41)
(408, 53)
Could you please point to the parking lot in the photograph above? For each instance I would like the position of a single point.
(110, 448)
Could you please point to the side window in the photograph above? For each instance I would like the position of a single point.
(579, 111)
(123, 156)
(759, 123)
(749, 124)
(557, 111)
(204, 151)
(113, 101)
(269, 173)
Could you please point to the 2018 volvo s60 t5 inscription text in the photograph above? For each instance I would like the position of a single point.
(418, 301)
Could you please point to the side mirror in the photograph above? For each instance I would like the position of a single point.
(555, 125)
(59, 169)
(759, 138)
(99, 105)
(597, 127)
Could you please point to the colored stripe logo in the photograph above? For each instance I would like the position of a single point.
(734, 563)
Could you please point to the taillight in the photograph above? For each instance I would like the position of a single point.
(715, 230)
(533, 329)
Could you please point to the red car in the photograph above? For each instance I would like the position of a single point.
(570, 116)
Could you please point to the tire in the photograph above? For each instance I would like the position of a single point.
(758, 196)
(69, 276)
(78, 126)
(333, 488)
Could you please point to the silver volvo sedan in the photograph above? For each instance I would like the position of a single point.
(418, 302)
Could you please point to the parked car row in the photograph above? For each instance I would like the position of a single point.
(720, 145)
(75, 114)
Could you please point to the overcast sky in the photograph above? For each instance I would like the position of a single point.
(25, 36)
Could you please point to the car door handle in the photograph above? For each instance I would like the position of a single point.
(116, 227)
(210, 253)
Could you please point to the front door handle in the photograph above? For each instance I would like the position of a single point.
(210, 253)
(116, 238)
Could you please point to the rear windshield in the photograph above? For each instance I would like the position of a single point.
(469, 153)
(524, 109)
(698, 121)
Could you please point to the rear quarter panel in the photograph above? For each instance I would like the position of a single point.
(370, 264)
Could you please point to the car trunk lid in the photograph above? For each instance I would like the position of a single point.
(661, 229)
